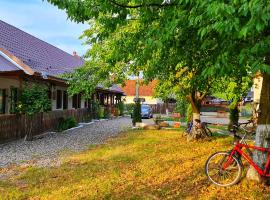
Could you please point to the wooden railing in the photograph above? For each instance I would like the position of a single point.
(14, 126)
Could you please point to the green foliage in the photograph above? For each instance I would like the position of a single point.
(246, 110)
(101, 112)
(191, 44)
(129, 108)
(95, 109)
(67, 123)
(137, 113)
(234, 116)
(189, 114)
(121, 108)
(158, 119)
(232, 89)
(181, 107)
(33, 99)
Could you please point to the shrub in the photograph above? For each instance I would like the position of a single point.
(101, 112)
(67, 123)
(121, 108)
(189, 113)
(157, 119)
(181, 107)
(107, 113)
(129, 108)
(246, 111)
(137, 113)
(95, 109)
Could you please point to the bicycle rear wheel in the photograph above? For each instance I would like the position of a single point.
(223, 170)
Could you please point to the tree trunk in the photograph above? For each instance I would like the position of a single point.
(234, 116)
(263, 128)
(196, 133)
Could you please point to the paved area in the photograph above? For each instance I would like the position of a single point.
(46, 150)
(217, 120)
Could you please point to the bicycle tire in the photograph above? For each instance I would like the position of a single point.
(224, 173)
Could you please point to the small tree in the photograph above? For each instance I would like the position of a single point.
(34, 99)
(137, 113)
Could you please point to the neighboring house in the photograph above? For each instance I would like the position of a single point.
(27, 59)
(146, 92)
(257, 87)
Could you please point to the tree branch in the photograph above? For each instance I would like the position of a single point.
(142, 5)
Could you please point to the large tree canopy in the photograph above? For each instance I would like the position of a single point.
(205, 39)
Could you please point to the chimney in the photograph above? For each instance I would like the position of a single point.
(76, 55)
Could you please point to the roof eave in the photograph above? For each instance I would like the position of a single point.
(16, 61)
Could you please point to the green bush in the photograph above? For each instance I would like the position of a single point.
(129, 108)
(101, 112)
(189, 113)
(234, 117)
(181, 107)
(246, 111)
(121, 108)
(107, 114)
(67, 123)
(137, 113)
(95, 109)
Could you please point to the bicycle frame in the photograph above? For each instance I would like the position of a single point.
(238, 148)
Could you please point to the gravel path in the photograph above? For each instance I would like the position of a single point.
(46, 150)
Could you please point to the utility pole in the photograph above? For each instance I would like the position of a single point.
(137, 87)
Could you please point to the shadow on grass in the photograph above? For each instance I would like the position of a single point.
(136, 165)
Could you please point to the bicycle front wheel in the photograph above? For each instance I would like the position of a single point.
(223, 170)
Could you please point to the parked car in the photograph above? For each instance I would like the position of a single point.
(146, 111)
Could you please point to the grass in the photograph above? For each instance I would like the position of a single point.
(136, 165)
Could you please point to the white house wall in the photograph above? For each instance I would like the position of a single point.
(148, 100)
(7, 83)
(69, 99)
(257, 84)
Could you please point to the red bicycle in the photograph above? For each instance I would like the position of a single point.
(225, 168)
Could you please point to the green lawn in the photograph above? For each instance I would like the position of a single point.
(136, 165)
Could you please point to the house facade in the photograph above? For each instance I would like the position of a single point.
(146, 92)
(25, 59)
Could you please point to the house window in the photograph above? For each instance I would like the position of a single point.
(58, 99)
(13, 99)
(76, 101)
(65, 100)
(2, 101)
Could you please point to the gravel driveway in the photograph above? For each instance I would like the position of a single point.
(45, 151)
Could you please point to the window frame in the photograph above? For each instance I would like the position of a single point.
(3, 93)
(59, 99)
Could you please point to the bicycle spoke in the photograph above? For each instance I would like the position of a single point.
(220, 175)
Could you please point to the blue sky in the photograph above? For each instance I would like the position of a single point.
(44, 21)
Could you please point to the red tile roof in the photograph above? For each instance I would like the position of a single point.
(144, 90)
(35, 55)
(5, 65)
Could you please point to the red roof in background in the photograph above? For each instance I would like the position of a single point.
(144, 90)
